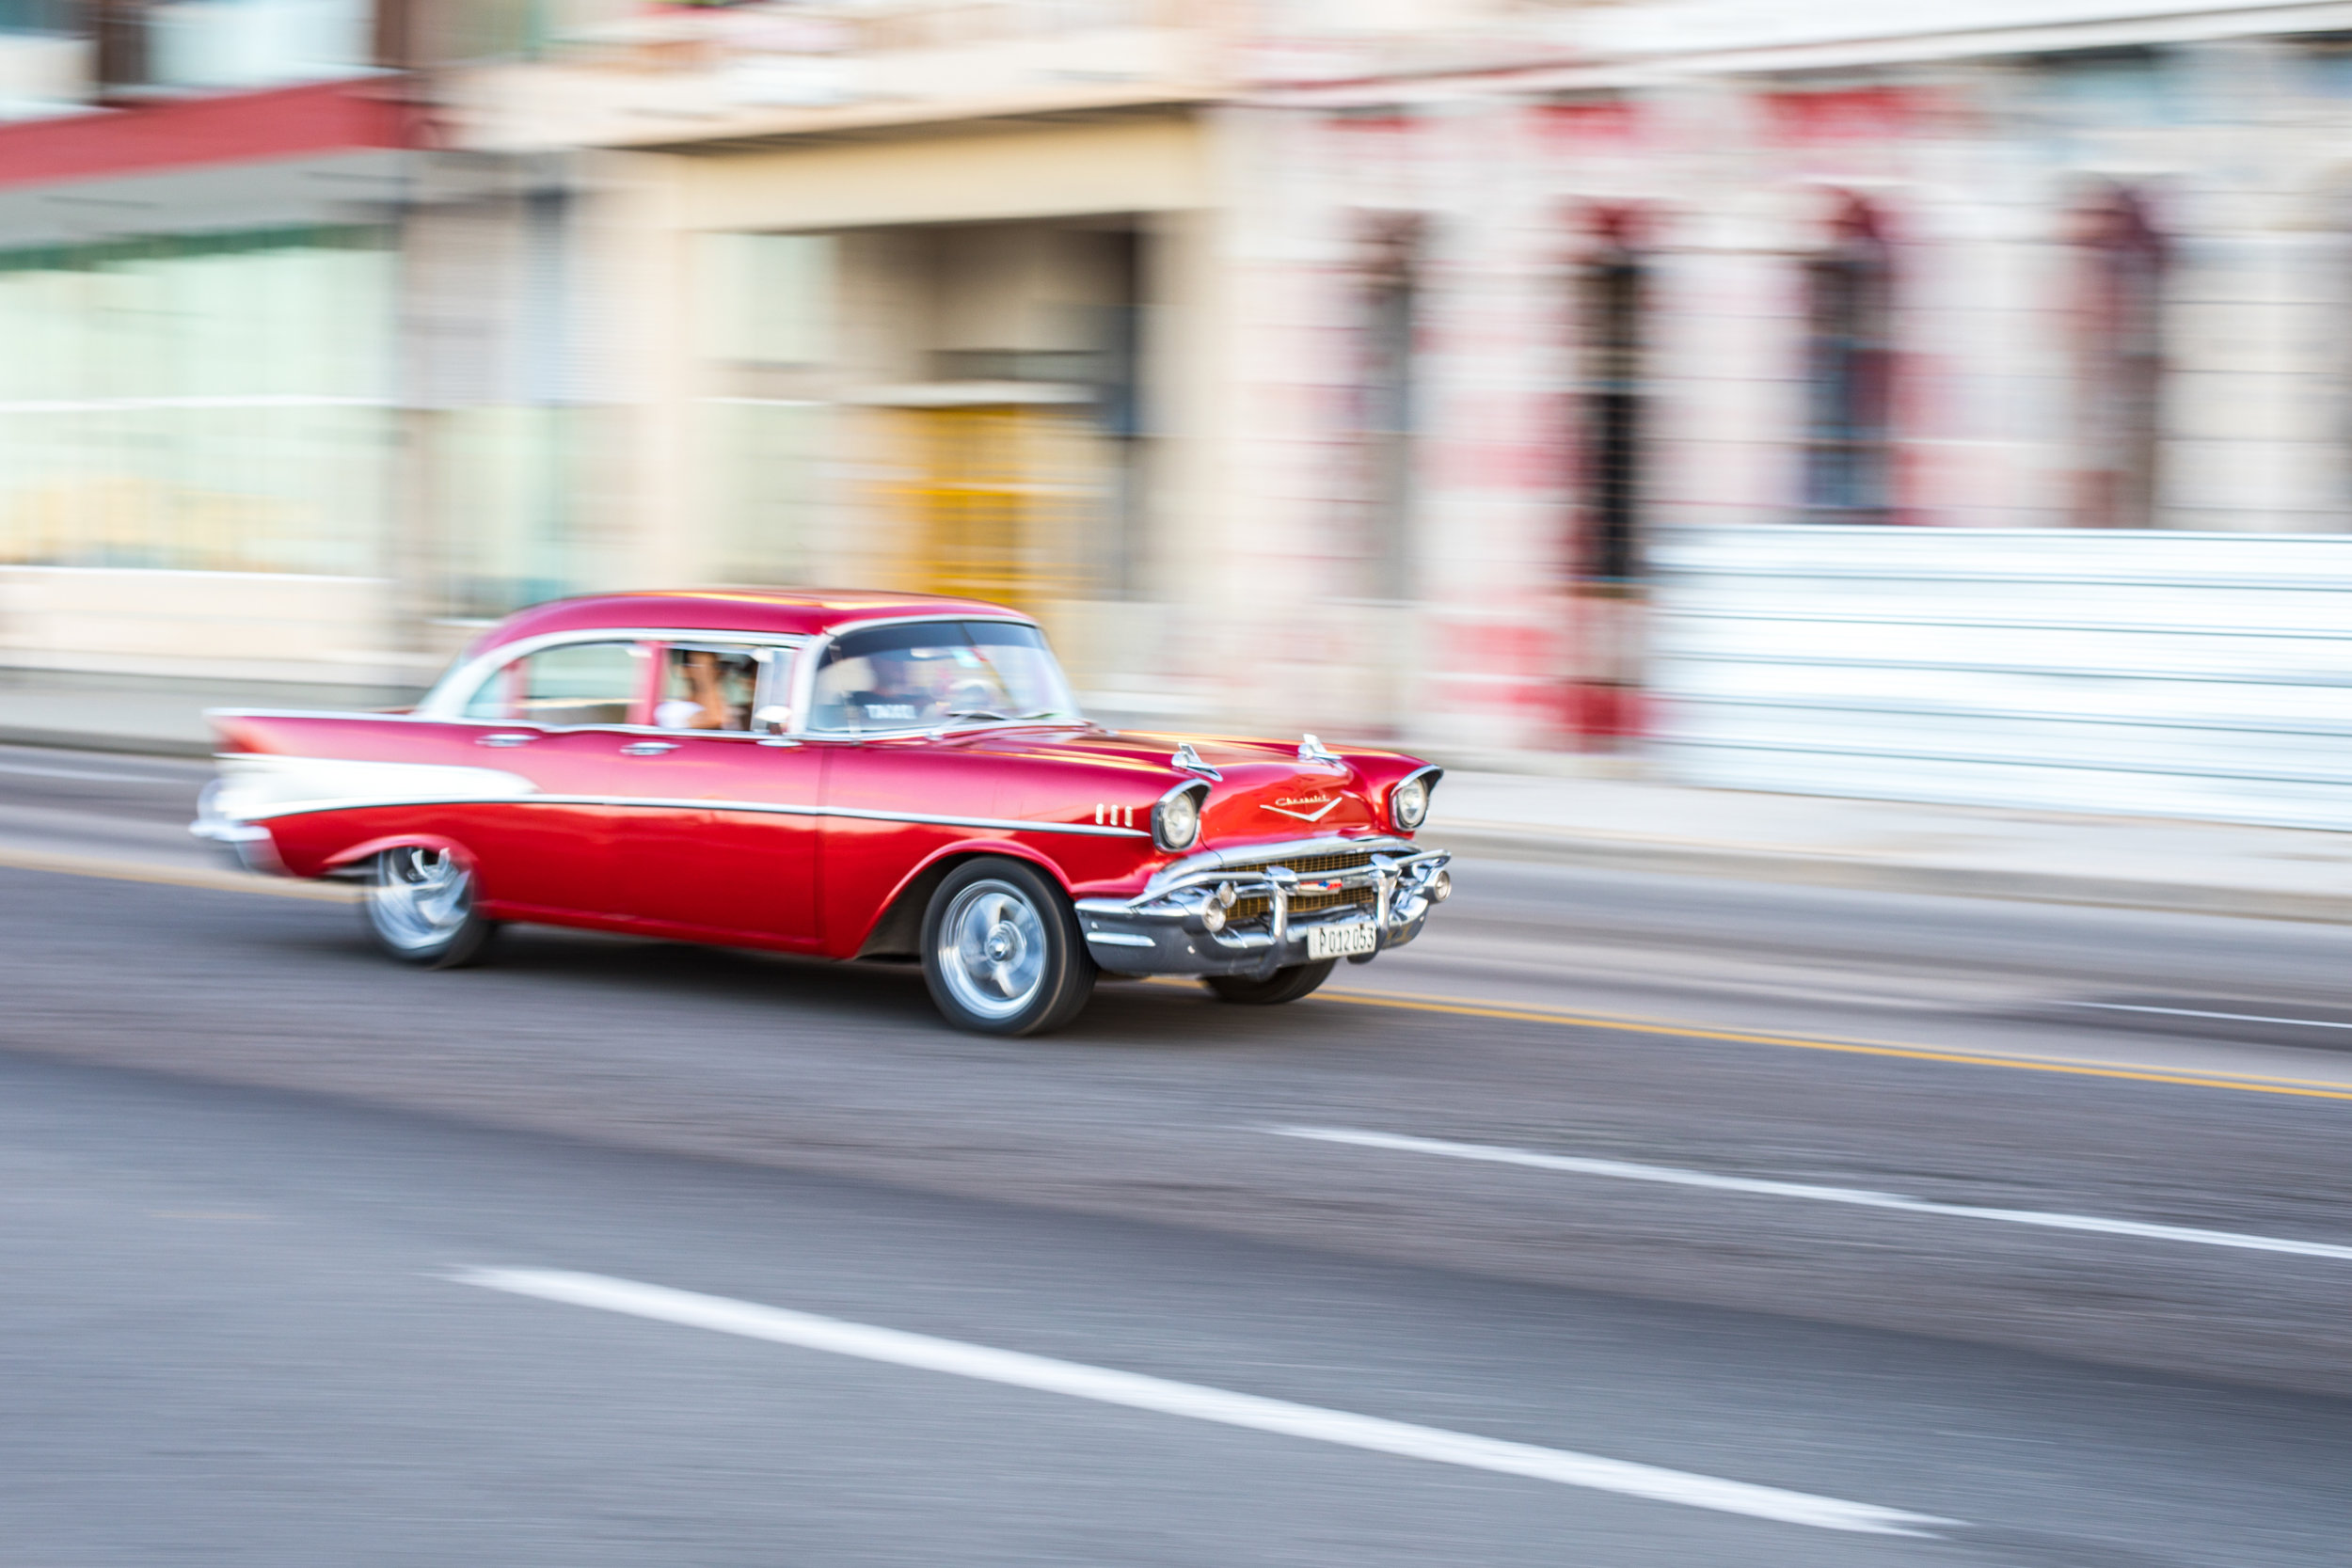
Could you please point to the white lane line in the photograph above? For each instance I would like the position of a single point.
(2192, 1012)
(1107, 1385)
(86, 773)
(1622, 1170)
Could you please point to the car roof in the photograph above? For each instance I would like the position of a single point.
(777, 611)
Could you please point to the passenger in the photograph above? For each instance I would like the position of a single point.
(704, 707)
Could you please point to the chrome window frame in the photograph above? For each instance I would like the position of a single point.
(762, 689)
(446, 703)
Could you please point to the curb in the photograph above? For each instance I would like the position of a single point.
(2034, 887)
(87, 740)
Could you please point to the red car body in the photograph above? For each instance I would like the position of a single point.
(784, 836)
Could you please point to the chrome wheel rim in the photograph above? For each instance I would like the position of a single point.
(991, 950)
(420, 897)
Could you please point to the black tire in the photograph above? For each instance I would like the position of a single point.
(1002, 953)
(1283, 984)
(419, 907)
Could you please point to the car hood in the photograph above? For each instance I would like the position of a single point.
(1265, 791)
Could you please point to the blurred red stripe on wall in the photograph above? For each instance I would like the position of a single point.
(249, 127)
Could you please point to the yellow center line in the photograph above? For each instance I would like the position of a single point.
(234, 881)
(2248, 1084)
(173, 876)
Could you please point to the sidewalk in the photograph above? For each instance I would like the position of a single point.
(148, 715)
(2122, 861)
(1614, 823)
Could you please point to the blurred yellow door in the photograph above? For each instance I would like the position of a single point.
(1003, 493)
(976, 503)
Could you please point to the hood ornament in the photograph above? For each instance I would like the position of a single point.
(1189, 761)
(1311, 750)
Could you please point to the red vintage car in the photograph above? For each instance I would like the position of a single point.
(854, 775)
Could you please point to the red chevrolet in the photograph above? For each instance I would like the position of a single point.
(854, 775)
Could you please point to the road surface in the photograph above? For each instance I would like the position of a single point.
(1623, 1221)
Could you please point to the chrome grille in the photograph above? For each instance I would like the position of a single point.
(1312, 865)
(1247, 908)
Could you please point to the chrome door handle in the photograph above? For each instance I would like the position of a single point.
(649, 748)
(504, 739)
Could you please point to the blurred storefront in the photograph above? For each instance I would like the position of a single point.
(1304, 364)
(198, 304)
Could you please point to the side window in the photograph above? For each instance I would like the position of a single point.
(577, 683)
(711, 688)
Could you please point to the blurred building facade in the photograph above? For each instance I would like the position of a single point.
(1302, 362)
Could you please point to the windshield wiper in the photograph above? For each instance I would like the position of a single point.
(994, 717)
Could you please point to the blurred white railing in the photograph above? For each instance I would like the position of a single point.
(240, 626)
(2172, 675)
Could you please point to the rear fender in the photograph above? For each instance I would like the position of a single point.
(359, 854)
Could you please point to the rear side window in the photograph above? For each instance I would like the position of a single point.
(578, 683)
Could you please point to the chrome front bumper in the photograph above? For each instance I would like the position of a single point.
(1164, 928)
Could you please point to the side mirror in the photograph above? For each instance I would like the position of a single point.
(774, 720)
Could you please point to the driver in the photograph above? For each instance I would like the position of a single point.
(903, 691)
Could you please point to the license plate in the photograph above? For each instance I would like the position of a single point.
(1339, 942)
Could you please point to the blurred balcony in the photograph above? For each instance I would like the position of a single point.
(64, 56)
(240, 45)
(45, 66)
(654, 75)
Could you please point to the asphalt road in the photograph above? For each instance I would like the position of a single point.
(1598, 1174)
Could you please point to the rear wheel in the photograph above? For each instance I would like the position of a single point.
(1283, 984)
(420, 909)
(1002, 953)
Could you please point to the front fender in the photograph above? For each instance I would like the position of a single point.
(894, 929)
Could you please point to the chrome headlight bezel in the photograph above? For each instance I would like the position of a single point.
(1409, 799)
(1176, 816)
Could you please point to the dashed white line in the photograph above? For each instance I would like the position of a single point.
(1197, 1401)
(1622, 1170)
(2192, 1012)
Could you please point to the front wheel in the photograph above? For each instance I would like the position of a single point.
(1001, 951)
(420, 909)
(1283, 984)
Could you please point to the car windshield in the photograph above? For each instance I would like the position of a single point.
(936, 672)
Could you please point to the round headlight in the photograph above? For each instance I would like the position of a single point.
(1177, 822)
(1408, 806)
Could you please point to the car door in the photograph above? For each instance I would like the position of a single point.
(559, 716)
(719, 840)
(904, 782)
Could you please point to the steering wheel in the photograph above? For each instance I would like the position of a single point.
(972, 694)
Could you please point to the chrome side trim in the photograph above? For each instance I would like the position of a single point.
(409, 718)
(772, 808)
